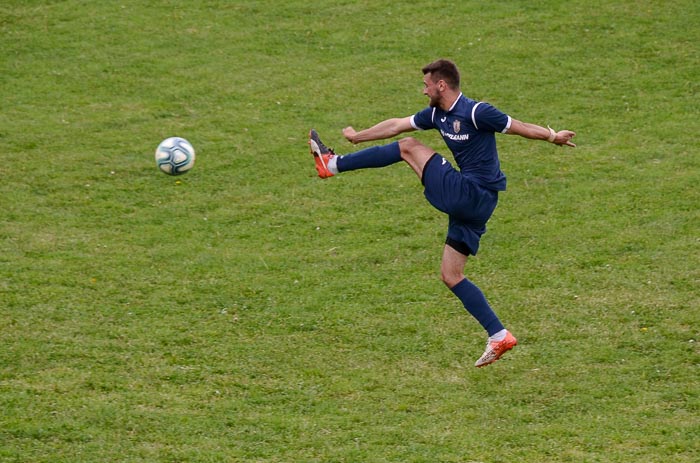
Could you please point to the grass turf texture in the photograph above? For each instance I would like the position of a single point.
(251, 312)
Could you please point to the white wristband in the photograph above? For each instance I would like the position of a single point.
(552, 135)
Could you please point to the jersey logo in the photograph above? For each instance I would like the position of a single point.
(444, 161)
(456, 126)
(443, 119)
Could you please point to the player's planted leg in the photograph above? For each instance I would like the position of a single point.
(500, 340)
(495, 349)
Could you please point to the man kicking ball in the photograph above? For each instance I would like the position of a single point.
(468, 195)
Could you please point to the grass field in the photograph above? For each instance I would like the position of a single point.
(251, 312)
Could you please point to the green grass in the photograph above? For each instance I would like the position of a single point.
(252, 312)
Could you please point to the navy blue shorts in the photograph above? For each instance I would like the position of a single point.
(468, 205)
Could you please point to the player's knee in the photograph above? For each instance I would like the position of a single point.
(407, 142)
(408, 146)
(415, 153)
(450, 277)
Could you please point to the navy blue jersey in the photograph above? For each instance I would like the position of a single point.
(468, 129)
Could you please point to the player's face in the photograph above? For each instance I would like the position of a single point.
(432, 90)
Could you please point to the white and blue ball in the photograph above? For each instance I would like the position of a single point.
(175, 156)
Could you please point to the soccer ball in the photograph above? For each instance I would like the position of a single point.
(175, 156)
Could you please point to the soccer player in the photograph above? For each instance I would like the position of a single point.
(467, 195)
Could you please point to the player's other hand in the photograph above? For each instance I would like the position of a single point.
(349, 133)
(563, 137)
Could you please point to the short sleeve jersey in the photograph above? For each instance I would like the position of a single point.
(468, 129)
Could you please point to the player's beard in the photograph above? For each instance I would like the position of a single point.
(434, 101)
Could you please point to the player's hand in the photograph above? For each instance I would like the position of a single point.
(563, 137)
(349, 133)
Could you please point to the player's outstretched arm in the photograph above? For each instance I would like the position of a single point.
(385, 129)
(536, 132)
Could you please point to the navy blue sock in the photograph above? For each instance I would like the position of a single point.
(475, 303)
(376, 156)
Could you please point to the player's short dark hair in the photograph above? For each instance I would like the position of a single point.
(443, 69)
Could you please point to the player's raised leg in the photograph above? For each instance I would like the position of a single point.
(322, 155)
(329, 164)
(407, 149)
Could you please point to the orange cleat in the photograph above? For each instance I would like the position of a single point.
(321, 153)
(495, 349)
